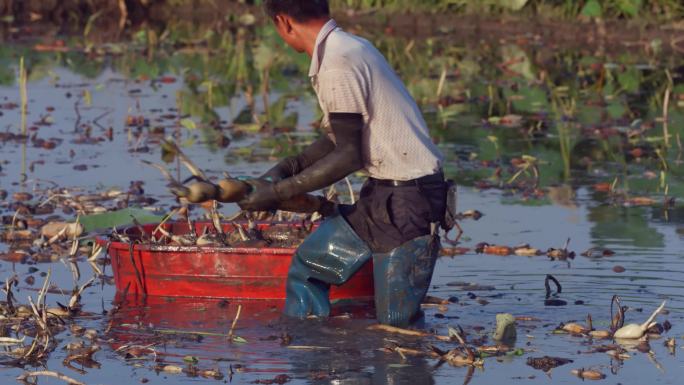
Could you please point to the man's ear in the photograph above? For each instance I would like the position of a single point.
(284, 22)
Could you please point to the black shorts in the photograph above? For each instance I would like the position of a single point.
(386, 217)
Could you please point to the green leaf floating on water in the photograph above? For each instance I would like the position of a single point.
(516, 352)
(190, 359)
(117, 219)
(239, 340)
(188, 123)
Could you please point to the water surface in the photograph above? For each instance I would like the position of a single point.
(580, 114)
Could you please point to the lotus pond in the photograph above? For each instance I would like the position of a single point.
(573, 153)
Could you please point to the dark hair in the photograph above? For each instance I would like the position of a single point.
(300, 10)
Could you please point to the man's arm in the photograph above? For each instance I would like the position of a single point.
(344, 159)
(293, 165)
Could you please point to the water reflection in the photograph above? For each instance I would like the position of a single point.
(627, 227)
(320, 352)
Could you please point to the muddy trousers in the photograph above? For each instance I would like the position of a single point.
(333, 253)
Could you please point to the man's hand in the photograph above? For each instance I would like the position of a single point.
(263, 196)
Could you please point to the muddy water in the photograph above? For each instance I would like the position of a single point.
(647, 242)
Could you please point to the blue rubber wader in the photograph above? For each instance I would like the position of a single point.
(402, 279)
(330, 255)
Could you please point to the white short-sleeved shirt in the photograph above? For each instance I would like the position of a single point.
(350, 75)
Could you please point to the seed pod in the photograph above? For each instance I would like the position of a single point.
(14, 256)
(90, 198)
(201, 192)
(474, 214)
(172, 369)
(493, 249)
(34, 222)
(75, 345)
(232, 190)
(57, 312)
(19, 235)
(113, 193)
(23, 310)
(618, 355)
(600, 334)
(90, 334)
(671, 343)
(527, 252)
(22, 196)
(215, 374)
(77, 330)
(588, 374)
(68, 230)
(574, 328)
(208, 240)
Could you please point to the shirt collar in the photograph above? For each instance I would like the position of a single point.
(329, 27)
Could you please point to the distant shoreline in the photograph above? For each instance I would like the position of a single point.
(606, 35)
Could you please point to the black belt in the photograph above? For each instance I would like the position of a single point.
(428, 179)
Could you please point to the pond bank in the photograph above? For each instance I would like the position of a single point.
(113, 19)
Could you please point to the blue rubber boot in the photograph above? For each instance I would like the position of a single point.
(402, 279)
(330, 255)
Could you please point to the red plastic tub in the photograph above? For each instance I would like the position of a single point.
(212, 272)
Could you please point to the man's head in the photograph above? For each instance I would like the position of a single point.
(293, 18)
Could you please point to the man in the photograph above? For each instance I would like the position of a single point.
(373, 125)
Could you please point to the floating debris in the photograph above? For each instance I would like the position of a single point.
(470, 214)
(619, 354)
(61, 229)
(636, 331)
(547, 363)
(470, 286)
(279, 379)
(598, 252)
(172, 369)
(601, 334)
(588, 374)
(527, 251)
(486, 248)
(551, 297)
(453, 251)
(47, 373)
(671, 345)
(505, 328)
(574, 328)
